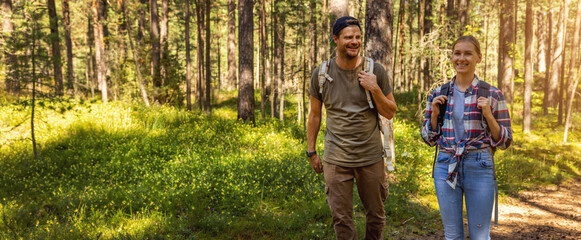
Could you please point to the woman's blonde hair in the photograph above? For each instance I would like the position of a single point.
(470, 39)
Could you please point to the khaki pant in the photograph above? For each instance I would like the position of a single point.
(372, 188)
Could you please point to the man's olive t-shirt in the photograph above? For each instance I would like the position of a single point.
(352, 136)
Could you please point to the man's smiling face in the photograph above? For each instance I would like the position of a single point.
(348, 41)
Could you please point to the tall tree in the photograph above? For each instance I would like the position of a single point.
(541, 35)
(548, 59)
(163, 42)
(557, 60)
(128, 25)
(232, 45)
(378, 35)
(188, 59)
(90, 60)
(528, 83)
(155, 51)
(463, 15)
(314, 54)
(277, 57)
(325, 30)
(399, 70)
(99, 8)
(200, 47)
(337, 9)
(573, 71)
(263, 57)
(506, 39)
(56, 49)
(424, 24)
(207, 102)
(12, 77)
(281, 78)
(69, 43)
(141, 22)
(245, 61)
(562, 85)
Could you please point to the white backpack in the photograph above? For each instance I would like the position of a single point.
(385, 125)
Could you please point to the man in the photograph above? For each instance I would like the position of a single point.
(353, 148)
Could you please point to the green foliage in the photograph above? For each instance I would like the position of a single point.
(122, 171)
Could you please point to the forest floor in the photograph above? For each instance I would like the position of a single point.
(552, 212)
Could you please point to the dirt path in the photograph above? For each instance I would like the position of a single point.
(547, 213)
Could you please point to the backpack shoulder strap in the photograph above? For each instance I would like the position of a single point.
(483, 89)
(368, 68)
(444, 90)
(324, 75)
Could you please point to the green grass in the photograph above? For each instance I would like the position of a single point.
(123, 171)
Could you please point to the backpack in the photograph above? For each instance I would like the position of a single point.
(385, 125)
(483, 91)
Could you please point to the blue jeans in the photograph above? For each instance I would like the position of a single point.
(476, 183)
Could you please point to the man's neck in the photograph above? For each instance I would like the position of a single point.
(348, 63)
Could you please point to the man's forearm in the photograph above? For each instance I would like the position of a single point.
(385, 106)
(313, 127)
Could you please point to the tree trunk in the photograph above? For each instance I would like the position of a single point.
(557, 60)
(562, 85)
(218, 47)
(100, 53)
(33, 138)
(246, 61)
(421, 32)
(463, 15)
(277, 60)
(528, 81)
(56, 49)
(337, 9)
(378, 35)
(90, 57)
(12, 79)
(67, 26)
(450, 9)
(128, 25)
(201, 73)
(410, 77)
(188, 60)
(232, 81)
(573, 71)
(506, 39)
(164, 46)
(326, 31)
(281, 69)
(399, 70)
(314, 53)
(141, 22)
(541, 35)
(548, 59)
(207, 103)
(377, 43)
(155, 51)
(263, 56)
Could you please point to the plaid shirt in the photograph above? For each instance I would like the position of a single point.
(477, 135)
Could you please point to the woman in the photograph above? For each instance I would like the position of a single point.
(472, 128)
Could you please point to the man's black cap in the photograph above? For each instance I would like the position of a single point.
(343, 22)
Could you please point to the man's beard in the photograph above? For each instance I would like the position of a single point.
(348, 56)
